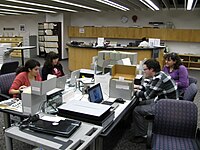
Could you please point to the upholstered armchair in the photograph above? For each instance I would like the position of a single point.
(174, 126)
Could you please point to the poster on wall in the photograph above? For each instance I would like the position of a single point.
(22, 27)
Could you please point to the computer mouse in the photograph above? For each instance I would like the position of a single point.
(120, 100)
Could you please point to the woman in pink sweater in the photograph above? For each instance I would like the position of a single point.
(24, 76)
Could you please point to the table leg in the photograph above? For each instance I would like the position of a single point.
(6, 118)
(99, 143)
(8, 141)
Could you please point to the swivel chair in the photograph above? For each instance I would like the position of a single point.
(9, 67)
(190, 92)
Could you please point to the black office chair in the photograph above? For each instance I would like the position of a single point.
(9, 67)
(192, 80)
(6, 81)
(190, 92)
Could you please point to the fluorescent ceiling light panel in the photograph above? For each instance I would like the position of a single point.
(41, 5)
(20, 11)
(77, 5)
(27, 8)
(113, 4)
(189, 4)
(149, 3)
(9, 13)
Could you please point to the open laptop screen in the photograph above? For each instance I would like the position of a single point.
(95, 94)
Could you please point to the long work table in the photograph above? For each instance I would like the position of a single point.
(81, 56)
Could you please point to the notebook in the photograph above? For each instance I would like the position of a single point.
(63, 128)
(96, 96)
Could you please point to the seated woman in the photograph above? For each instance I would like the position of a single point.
(52, 66)
(24, 75)
(178, 72)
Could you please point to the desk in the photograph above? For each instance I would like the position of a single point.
(22, 49)
(85, 136)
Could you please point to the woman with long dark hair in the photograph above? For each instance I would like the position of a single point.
(52, 66)
(24, 75)
(178, 72)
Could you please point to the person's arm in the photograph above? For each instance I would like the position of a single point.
(61, 69)
(183, 81)
(17, 85)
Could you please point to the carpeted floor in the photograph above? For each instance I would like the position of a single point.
(122, 144)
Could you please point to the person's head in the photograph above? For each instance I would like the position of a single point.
(144, 39)
(151, 67)
(31, 66)
(52, 59)
(172, 60)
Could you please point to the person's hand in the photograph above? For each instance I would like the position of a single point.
(136, 86)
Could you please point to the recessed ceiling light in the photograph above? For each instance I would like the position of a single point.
(41, 5)
(77, 5)
(27, 8)
(20, 11)
(113, 4)
(189, 4)
(9, 13)
(150, 4)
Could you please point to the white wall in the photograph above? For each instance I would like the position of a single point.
(181, 19)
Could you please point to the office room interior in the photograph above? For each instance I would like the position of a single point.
(176, 18)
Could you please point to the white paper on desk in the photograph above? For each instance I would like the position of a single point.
(104, 81)
(52, 118)
(50, 76)
(126, 61)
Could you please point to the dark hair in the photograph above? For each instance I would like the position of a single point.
(30, 64)
(144, 39)
(50, 56)
(175, 57)
(152, 64)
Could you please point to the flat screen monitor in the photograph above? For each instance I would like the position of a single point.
(74, 76)
(95, 94)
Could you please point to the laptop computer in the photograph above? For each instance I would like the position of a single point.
(74, 76)
(96, 96)
(63, 128)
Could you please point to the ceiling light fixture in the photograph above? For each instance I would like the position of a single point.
(150, 4)
(9, 13)
(20, 11)
(113, 4)
(189, 4)
(27, 8)
(41, 5)
(77, 5)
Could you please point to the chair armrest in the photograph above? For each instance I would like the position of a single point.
(198, 138)
(4, 96)
(150, 119)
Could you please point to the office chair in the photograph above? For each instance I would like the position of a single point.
(192, 80)
(190, 92)
(9, 67)
(174, 125)
(6, 81)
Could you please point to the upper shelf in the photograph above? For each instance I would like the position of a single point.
(180, 35)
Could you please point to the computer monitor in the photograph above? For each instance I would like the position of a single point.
(95, 94)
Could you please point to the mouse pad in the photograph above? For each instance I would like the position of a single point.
(62, 128)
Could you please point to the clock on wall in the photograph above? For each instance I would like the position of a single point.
(124, 19)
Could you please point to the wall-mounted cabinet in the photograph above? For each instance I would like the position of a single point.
(49, 38)
(181, 35)
(191, 61)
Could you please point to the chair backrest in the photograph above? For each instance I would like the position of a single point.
(190, 92)
(6, 81)
(192, 80)
(175, 118)
(9, 67)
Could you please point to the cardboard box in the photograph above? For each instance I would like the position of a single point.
(124, 71)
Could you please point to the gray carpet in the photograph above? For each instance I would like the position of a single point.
(122, 144)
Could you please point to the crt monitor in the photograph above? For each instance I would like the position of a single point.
(95, 94)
